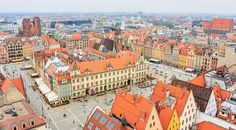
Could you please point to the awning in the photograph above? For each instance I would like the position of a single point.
(44, 89)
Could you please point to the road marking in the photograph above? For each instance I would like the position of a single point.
(77, 118)
(64, 119)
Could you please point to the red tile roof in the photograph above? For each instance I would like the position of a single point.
(219, 23)
(19, 85)
(76, 36)
(221, 95)
(95, 118)
(199, 81)
(181, 95)
(208, 126)
(5, 85)
(102, 65)
(132, 108)
(165, 115)
(31, 115)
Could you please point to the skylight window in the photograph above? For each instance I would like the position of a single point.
(103, 120)
(110, 125)
(96, 115)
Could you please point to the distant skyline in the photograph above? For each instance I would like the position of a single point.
(155, 6)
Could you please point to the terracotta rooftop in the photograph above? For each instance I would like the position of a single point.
(25, 115)
(181, 95)
(102, 65)
(98, 119)
(132, 108)
(165, 115)
(208, 126)
(199, 81)
(201, 95)
(219, 23)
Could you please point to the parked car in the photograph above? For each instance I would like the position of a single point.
(9, 111)
(1, 116)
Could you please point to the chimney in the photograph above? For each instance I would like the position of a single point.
(167, 93)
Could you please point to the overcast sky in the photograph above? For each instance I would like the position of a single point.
(171, 6)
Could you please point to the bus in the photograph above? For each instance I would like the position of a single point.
(34, 75)
(189, 70)
(25, 67)
(152, 60)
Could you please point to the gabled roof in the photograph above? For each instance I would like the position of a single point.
(60, 76)
(201, 95)
(219, 23)
(7, 82)
(222, 23)
(5, 85)
(221, 95)
(165, 115)
(199, 81)
(19, 85)
(26, 116)
(134, 108)
(95, 118)
(102, 65)
(208, 126)
(181, 95)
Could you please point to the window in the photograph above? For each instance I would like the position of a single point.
(32, 121)
(152, 117)
(14, 126)
(90, 125)
(96, 115)
(110, 125)
(24, 125)
(97, 128)
(150, 125)
(103, 120)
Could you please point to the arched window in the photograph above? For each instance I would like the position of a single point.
(14, 126)
(23, 124)
(32, 121)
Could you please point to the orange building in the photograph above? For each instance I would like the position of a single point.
(179, 98)
(139, 112)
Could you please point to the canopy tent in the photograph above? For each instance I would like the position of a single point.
(49, 94)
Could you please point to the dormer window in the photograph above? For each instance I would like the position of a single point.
(142, 115)
(23, 124)
(109, 67)
(14, 126)
(32, 121)
(87, 72)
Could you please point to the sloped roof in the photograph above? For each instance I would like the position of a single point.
(26, 117)
(102, 65)
(201, 95)
(19, 85)
(208, 126)
(199, 81)
(76, 36)
(222, 23)
(5, 85)
(221, 95)
(95, 118)
(181, 95)
(132, 107)
(165, 115)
